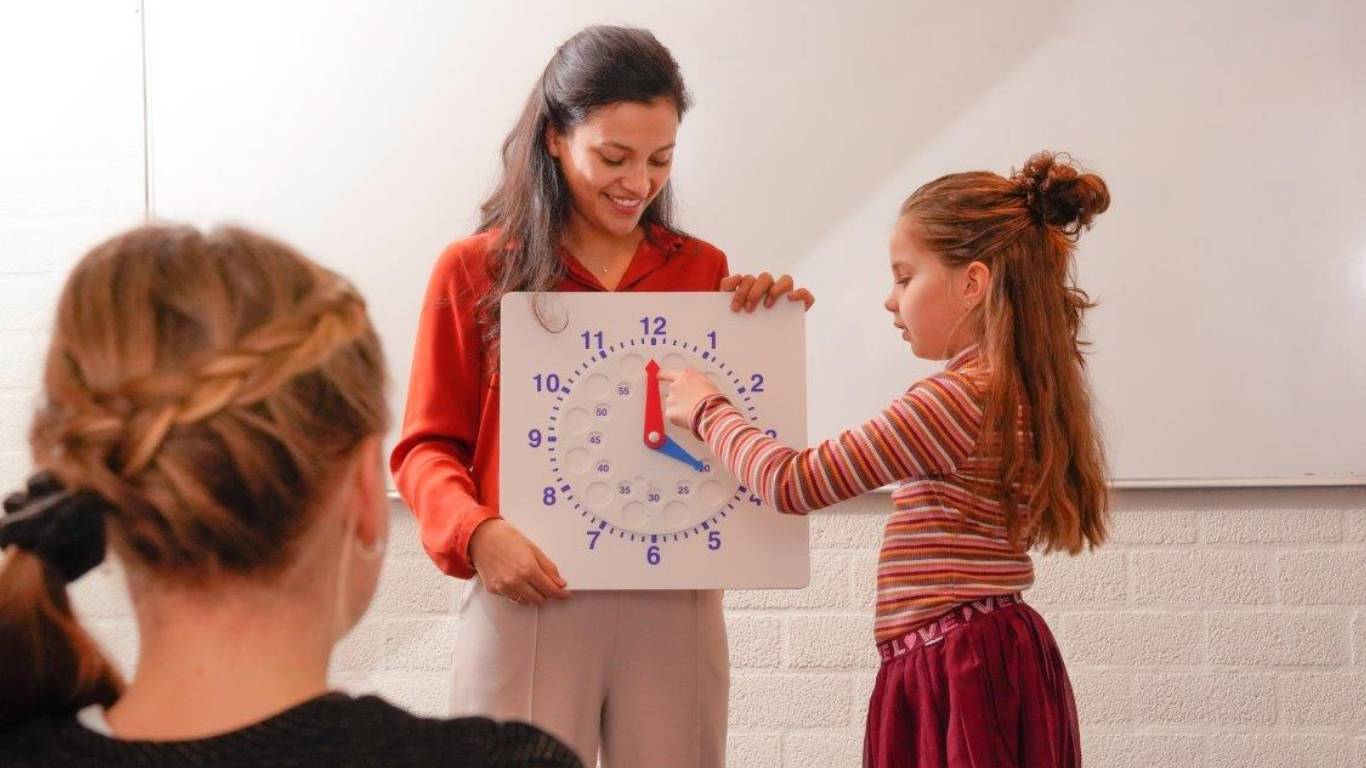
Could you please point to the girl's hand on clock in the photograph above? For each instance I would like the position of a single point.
(750, 290)
(687, 388)
(511, 566)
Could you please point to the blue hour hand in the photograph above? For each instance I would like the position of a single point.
(676, 451)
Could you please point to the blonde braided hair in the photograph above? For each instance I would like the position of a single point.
(250, 371)
(247, 341)
(201, 395)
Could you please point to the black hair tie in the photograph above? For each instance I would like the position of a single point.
(63, 527)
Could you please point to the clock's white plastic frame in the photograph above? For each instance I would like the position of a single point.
(612, 512)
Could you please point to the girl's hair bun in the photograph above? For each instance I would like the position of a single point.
(1059, 193)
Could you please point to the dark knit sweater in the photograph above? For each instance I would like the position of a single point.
(333, 730)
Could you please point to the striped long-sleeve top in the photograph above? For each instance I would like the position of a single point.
(946, 541)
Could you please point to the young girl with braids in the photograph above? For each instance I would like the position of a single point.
(996, 454)
(212, 408)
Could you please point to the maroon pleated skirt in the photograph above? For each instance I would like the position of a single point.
(983, 686)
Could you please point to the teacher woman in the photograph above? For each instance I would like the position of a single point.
(637, 678)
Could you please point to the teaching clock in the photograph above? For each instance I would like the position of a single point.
(591, 472)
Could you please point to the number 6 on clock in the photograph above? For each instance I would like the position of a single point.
(599, 458)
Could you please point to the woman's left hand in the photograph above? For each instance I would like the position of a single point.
(750, 290)
(687, 388)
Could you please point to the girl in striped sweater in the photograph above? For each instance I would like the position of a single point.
(995, 455)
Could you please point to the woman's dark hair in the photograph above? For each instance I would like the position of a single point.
(530, 206)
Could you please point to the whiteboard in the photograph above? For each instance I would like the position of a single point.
(619, 503)
(1231, 269)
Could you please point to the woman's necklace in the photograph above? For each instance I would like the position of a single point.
(606, 269)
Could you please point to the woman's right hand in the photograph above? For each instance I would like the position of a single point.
(511, 566)
(751, 289)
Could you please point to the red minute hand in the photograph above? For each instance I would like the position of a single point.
(654, 412)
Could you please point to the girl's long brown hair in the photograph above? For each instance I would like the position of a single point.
(208, 389)
(1025, 228)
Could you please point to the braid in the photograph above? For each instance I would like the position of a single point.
(230, 400)
(201, 395)
(247, 373)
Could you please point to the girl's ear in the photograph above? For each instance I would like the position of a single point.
(976, 284)
(367, 493)
(553, 138)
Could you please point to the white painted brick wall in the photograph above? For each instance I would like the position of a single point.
(1219, 628)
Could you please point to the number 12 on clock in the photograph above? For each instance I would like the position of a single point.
(616, 496)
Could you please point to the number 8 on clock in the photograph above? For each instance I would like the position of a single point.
(591, 472)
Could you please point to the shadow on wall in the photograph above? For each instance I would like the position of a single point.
(871, 89)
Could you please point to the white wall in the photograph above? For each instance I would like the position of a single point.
(1219, 628)
(1230, 270)
(71, 172)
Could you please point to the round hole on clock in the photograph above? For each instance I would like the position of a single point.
(597, 386)
(677, 514)
(634, 514)
(578, 461)
(578, 420)
(712, 494)
(598, 495)
(632, 368)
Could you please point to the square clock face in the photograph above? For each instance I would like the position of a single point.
(616, 498)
